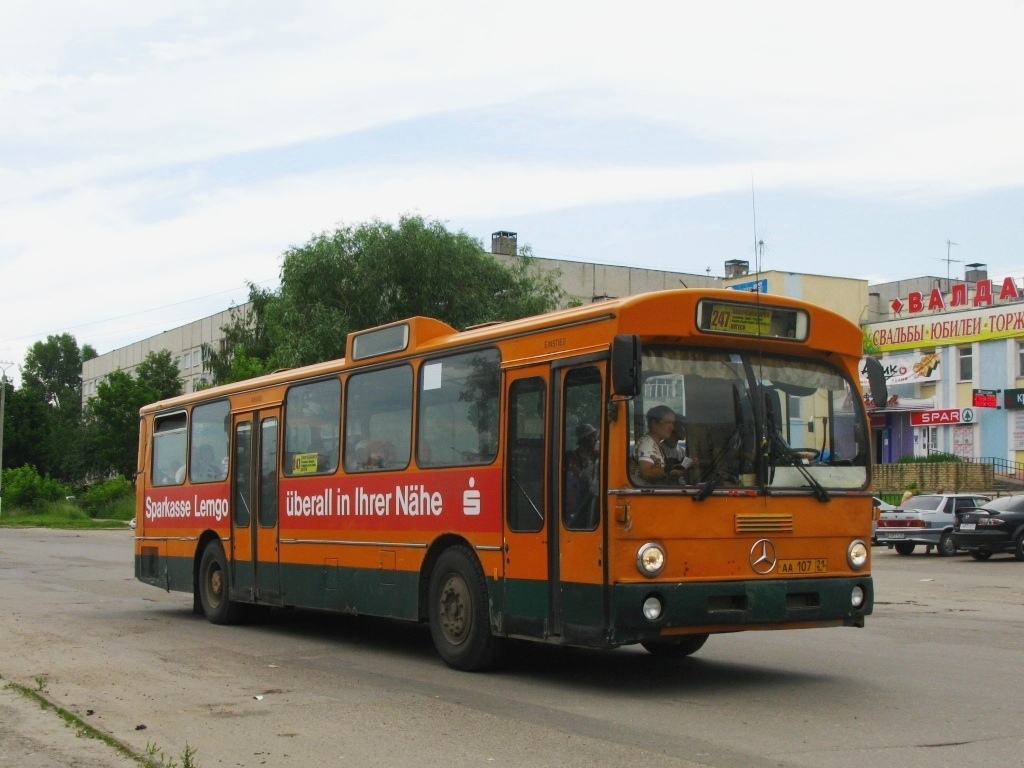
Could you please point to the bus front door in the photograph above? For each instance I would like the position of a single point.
(578, 552)
(255, 534)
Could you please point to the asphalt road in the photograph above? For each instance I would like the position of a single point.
(933, 680)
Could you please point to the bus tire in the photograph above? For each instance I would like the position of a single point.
(676, 649)
(215, 586)
(904, 548)
(458, 612)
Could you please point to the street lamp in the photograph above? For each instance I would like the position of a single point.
(4, 365)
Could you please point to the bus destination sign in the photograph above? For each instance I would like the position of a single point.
(749, 321)
(742, 319)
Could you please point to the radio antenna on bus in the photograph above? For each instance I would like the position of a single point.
(753, 210)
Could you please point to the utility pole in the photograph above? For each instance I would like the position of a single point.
(4, 365)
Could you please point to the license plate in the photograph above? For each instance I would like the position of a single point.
(967, 526)
(892, 535)
(810, 565)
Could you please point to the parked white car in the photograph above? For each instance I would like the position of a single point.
(926, 519)
(880, 507)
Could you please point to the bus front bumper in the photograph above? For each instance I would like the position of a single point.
(733, 606)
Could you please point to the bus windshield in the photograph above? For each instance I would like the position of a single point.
(710, 419)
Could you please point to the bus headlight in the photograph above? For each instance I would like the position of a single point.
(857, 554)
(650, 559)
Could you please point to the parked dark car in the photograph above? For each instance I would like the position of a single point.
(997, 526)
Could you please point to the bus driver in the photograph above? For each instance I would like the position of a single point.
(650, 452)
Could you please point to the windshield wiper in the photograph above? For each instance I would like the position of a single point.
(716, 465)
(782, 446)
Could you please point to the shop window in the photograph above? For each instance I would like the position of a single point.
(966, 363)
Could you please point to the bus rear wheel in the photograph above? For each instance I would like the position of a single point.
(459, 620)
(215, 586)
(677, 649)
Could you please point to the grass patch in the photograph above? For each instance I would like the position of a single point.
(59, 514)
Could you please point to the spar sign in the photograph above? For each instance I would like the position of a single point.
(942, 416)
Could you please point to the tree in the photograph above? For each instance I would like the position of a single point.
(53, 368)
(112, 415)
(376, 273)
(367, 275)
(247, 347)
(158, 376)
(48, 406)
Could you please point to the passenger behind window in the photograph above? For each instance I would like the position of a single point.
(204, 468)
(374, 454)
(581, 474)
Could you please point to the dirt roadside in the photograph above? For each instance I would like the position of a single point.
(32, 736)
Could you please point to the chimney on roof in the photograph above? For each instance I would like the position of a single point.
(976, 272)
(504, 243)
(737, 268)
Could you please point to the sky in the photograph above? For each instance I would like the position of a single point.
(157, 157)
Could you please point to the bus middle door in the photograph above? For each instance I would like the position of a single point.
(526, 586)
(256, 560)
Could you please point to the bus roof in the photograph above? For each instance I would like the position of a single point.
(645, 314)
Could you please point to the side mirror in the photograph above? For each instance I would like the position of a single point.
(626, 365)
(876, 381)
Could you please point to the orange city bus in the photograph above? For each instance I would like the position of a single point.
(651, 469)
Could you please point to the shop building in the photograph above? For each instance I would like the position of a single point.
(953, 354)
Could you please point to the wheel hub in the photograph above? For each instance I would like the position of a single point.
(455, 613)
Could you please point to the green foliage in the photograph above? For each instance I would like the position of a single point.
(157, 377)
(44, 415)
(247, 346)
(106, 499)
(57, 514)
(25, 487)
(934, 457)
(869, 347)
(371, 274)
(53, 368)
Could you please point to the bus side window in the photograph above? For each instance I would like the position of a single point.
(378, 420)
(208, 456)
(312, 418)
(458, 407)
(169, 444)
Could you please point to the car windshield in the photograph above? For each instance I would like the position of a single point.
(922, 502)
(749, 420)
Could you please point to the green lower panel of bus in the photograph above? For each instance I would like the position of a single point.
(587, 614)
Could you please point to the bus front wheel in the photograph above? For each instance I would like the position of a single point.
(686, 646)
(459, 623)
(214, 587)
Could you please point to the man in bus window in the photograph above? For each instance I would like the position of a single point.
(650, 452)
(675, 449)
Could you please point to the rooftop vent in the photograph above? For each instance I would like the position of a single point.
(504, 243)
(976, 272)
(737, 268)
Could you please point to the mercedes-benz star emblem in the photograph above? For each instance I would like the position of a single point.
(763, 556)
